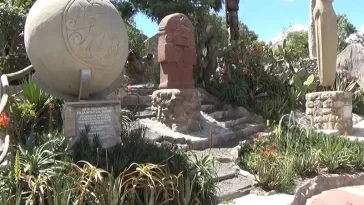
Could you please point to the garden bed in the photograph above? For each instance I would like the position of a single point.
(286, 158)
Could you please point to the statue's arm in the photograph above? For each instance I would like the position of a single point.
(166, 53)
(316, 13)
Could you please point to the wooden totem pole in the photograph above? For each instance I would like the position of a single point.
(232, 20)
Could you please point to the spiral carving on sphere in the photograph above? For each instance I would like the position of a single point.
(89, 35)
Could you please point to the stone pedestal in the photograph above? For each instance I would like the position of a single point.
(330, 110)
(103, 117)
(179, 109)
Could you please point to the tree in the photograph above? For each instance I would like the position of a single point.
(311, 31)
(297, 45)
(345, 29)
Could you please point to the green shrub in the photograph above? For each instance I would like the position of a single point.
(281, 158)
(45, 174)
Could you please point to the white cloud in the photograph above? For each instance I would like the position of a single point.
(283, 34)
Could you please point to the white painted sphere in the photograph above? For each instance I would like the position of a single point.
(62, 37)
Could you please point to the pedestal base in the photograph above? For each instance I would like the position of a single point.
(331, 110)
(179, 109)
(103, 117)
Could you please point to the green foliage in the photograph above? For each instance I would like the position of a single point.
(136, 40)
(234, 91)
(345, 29)
(279, 159)
(297, 45)
(12, 21)
(44, 175)
(34, 109)
(299, 88)
(158, 9)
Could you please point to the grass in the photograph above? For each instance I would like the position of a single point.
(290, 154)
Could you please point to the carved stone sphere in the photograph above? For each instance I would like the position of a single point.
(62, 37)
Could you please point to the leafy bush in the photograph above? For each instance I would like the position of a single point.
(45, 174)
(251, 84)
(280, 159)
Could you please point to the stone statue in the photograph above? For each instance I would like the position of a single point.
(326, 40)
(75, 41)
(232, 20)
(176, 52)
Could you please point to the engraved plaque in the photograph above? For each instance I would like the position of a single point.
(100, 120)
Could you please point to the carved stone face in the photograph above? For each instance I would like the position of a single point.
(182, 37)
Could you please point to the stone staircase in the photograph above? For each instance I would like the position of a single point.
(231, 182)
(139, 102)
(229, 126)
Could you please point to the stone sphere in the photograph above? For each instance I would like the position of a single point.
(62, 37)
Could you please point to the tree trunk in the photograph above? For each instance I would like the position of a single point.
(311, 31)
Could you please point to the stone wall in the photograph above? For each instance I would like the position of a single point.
(179, 109)
(310, 65)
(330, 110)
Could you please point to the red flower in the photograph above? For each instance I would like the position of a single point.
(4, 120)
(266, 153)
(245, 71)
(129, 88)
(251, 52)
(346, 133)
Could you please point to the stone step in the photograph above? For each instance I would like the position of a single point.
(208, 108)
(233, 188)
(239, 134)
(225, 171)
(143, 90)
(136, 100)
(141, 112)
(222, 114)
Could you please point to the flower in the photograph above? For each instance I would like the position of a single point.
(268, 123)
(254, 147)
(255, 139)
(129, 88)
(245, 71)
(346, 133)
(260, 137)
(4, 120)
(274, 145)
(266, 153)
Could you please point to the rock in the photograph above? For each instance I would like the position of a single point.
(332, 110)
(350, 63)
(59, 49)
(178, 109)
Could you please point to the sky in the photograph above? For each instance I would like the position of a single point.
(268, 18)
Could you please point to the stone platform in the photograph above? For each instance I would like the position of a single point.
(330, 110)
(217, 125)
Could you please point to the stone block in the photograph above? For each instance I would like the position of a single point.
(330, 110)
(103, 117)
(179, 109)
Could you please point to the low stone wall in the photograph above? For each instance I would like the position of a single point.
(330, 110)
(179, 109)
(323, 183)
(310, 65)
